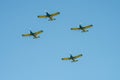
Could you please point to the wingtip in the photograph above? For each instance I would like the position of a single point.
(81, 54)
(42, 31)
(58, 12)
(22, 35)
(62, 59)
(71, 28)
(38, 16)
(91, 25)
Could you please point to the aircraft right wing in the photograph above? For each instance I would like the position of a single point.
(42, 16)
(55, 14)
(78, 56)
(39, 32)
(65, 58)
(75, 29)
(26, 35)
(89, 26)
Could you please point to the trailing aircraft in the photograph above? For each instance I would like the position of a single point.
(73, 58)
(82, 28)
(34, 34)
(50, 16)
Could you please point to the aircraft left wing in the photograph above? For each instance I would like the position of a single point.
(65, 58)
(89, 26)
(42, 16)
(55, 14)
(78, 56)
(75, 29)
(39, 32)
(26, 34)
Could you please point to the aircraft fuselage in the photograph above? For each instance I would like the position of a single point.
(47, 14)
(50, 17)
(33, 34)
(83, 28)
(71, 57)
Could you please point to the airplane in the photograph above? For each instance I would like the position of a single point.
(50, 16)
(82, 28)
(34, 34)
(73, 58)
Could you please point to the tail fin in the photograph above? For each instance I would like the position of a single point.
(80, 26)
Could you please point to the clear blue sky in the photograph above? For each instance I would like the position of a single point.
(29, 59)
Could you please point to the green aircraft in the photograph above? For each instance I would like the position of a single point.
(34, 34)
(82, 28)
(50, 16)
(73, 58)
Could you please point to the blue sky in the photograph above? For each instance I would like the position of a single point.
(29, 59)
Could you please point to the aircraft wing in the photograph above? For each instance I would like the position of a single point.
(78, 56)
(55, 14)
(39, 32)
(26, 35)
(89, 26)
(65, 58)
(75, 29)
(42, 16)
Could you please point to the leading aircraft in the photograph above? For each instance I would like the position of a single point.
(73, 58)
(82, 28)
(34, 34)
(50, 16)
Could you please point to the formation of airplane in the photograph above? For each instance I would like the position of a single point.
(34, 34)
(50, 16)
(84, 29)
(73, 58)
